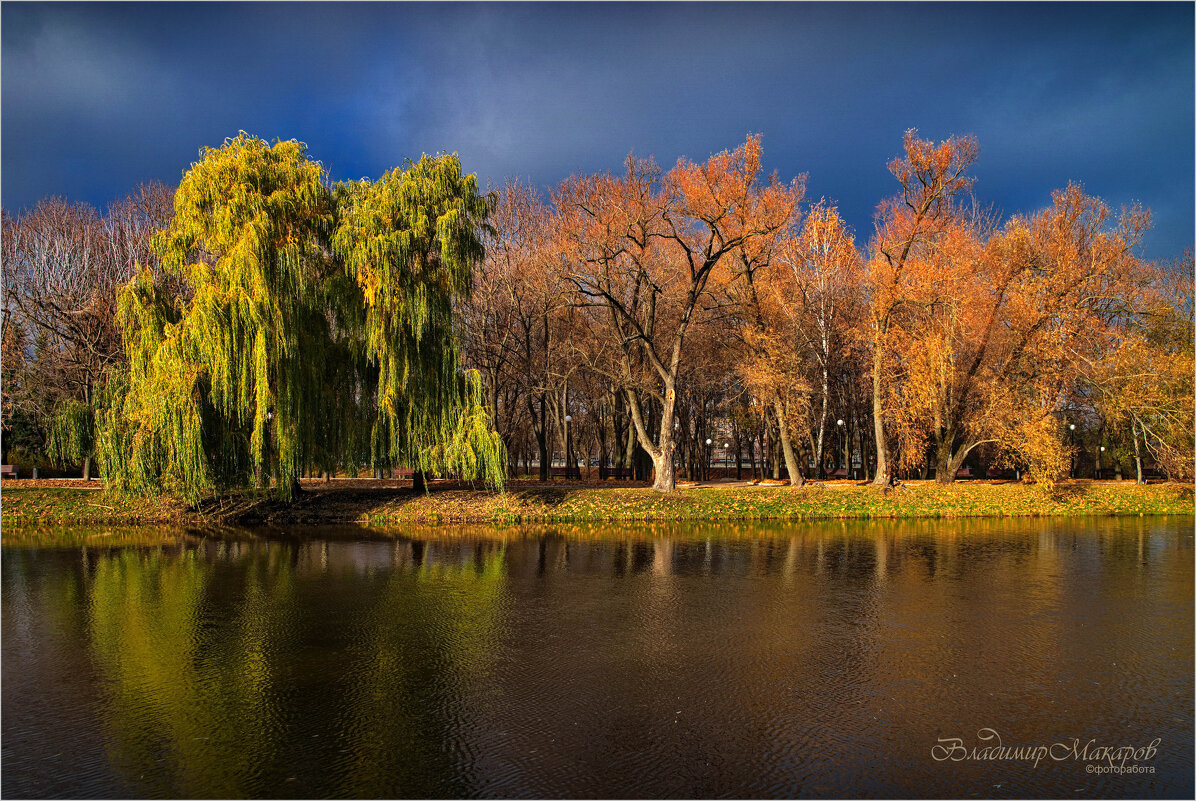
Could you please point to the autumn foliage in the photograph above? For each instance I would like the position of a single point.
(699, 320)
(711, 315)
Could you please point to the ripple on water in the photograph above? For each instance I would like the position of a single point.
(798, 661)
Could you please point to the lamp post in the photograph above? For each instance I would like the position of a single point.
(568, 446)
(707, 459)
(843, 427)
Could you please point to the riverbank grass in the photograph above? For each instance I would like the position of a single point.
(564, 504)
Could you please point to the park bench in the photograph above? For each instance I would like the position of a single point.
(839, 473)
(8, 471)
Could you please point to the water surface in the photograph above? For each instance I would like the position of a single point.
(785, 660)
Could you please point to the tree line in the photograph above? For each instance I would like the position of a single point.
(258, 323)
(63, 265)
(284, 325)
(711, 310)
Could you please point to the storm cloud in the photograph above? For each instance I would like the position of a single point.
(98, 97)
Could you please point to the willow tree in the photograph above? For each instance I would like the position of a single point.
(410, 242)
(317, 332)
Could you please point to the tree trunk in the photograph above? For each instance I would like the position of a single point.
(602, 457)
(944, 472)
(643, 463)
(665, 479)
(1137, 452)
(664, 471)
(572, 470)
(629, 451)
(738, 459)
(819, 465)
(662, 456)
(883, 476)
(759, 466)
(419, 481)
(774, 459)
(542, 442)
(795, 477)
(87, 468)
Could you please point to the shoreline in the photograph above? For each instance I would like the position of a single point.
(387, 503)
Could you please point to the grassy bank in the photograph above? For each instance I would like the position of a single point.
(322, 504)
(20, 508)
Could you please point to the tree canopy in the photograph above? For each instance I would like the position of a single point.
(678, 319)
(316, 330)
(650, 324)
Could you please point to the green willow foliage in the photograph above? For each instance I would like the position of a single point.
(71, 434)
(318, 333)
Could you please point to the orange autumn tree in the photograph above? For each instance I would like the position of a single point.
(1162, 410)
(946, 340)
(909, 227)
(988, 352)
(1078, 276)
(1038, 299)
(763, 308)
(1133, 366)
(661, 308)
(643, 248)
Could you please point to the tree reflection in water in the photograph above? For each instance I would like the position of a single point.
(686, 661)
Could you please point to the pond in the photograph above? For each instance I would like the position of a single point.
(858, 659)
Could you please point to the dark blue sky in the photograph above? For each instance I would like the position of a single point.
(98, 97)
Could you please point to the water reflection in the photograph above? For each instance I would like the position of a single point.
(821, 659)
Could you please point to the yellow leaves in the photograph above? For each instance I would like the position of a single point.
(370, 283)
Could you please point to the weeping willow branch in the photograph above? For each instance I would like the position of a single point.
(71, 433)
(318, 334)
